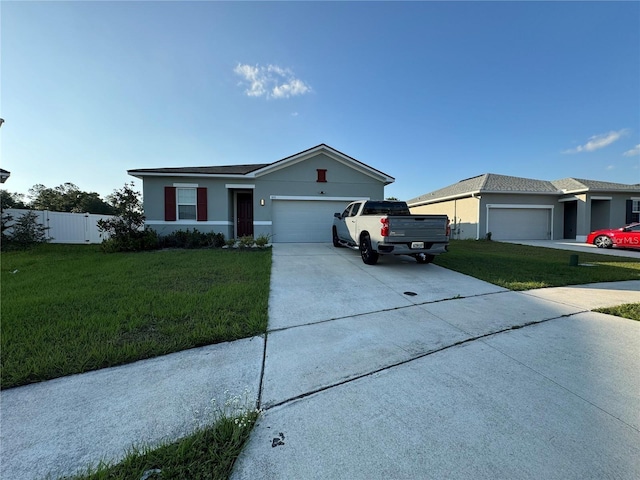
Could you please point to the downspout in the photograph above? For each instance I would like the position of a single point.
(478, 197)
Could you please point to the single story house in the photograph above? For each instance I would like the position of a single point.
(290, 200)
(514, 208)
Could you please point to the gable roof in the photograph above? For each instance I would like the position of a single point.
(494, 183)
(259, 169)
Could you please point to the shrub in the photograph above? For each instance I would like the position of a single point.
(192, 239)
(25, 232)
(126, 230)
(133, 242)
(246, 241)
(262, 240)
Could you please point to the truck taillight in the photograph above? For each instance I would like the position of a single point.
(384, 231)
(448, 230)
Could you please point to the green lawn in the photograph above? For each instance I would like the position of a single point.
(520, 267)
(628, 310)
(70, 308)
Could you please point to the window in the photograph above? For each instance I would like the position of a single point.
(635, 210)
(187, 204)
(322, 175)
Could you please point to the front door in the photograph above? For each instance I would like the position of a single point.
(244, 217)
(570, 219)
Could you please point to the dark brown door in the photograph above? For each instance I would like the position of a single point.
(244, 222)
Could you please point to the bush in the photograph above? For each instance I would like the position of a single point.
(25, 232)
(246, 241)
(133, 242)
(262, 240)
(192, 239)
(126, 230)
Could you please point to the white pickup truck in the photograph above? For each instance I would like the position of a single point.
(388, 228)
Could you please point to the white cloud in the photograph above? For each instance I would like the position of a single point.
(598, 141)
(633, 152)
(271, 81)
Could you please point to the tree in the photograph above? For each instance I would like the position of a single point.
(24, 233)
(126, 230)
(11, 200)
(68, 198)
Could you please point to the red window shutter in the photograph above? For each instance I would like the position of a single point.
(202, 204)
(322, 175)
(170, 204)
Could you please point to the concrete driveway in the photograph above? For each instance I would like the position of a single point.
(364, 380)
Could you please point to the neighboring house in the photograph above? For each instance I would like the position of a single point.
(291, 200)
(4, 174)
(514, 208)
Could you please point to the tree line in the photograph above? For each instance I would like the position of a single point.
(64, 198)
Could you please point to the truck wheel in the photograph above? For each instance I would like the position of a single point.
(424, 258)
(336, 240)
(369, 256)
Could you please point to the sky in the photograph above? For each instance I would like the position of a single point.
(430, 93)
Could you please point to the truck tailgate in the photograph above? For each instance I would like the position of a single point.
(428, 228)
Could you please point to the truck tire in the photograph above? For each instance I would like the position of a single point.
(369, 256)
(424, 258)
(336, 240)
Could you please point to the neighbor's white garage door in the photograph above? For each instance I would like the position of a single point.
(519, 223)
(304, 221)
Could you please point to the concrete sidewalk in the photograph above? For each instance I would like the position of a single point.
(397, 370)
(575, 246)
(62, 426)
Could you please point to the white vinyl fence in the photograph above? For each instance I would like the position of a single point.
(67, 227)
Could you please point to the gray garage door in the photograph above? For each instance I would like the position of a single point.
(304, 221)
(520, 223)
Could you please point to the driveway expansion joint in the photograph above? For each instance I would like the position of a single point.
(409, 360)
(392, 309)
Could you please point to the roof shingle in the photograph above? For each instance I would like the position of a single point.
(494, 183)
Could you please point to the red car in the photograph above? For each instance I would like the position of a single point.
(624, 237)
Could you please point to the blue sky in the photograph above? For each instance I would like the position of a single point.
(428, 92)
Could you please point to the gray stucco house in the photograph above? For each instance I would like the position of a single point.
(514, 208)
(291, 200)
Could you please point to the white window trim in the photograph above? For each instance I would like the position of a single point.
(195, 203)
(231, 186)
(185, 185)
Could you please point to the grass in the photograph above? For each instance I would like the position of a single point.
(209, 453)
(70, 308)
(628, 310)
(521, 267)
